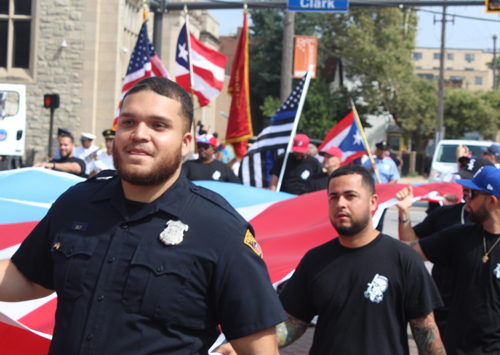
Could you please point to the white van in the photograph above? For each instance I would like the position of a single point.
(445, 159)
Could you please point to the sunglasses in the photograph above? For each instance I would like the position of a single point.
(474, 193)
(203, 146)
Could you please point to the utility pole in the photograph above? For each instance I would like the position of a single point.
(494, 62)
(287, 56)
(440, 111)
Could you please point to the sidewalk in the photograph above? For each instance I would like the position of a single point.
(414, 180)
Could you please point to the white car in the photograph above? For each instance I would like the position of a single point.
(444, 161)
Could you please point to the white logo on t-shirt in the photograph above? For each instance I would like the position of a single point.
(497, 271)
(305, 174)
(216, 175)
(376, 288)
(387, 167)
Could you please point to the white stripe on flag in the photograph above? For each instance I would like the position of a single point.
(201, 85)
(201, 62)
(257, 167)
(269, 142)
(245, 170)
(8, 252)
(137, 74)
(180, 70)
(338, 139)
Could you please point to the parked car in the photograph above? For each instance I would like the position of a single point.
(444, 160)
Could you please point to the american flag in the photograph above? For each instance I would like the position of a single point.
(272, 141)
(144, 62)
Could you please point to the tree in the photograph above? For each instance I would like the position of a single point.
(469, 111)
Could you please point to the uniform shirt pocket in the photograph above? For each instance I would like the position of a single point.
(156, 282)
(72, 254)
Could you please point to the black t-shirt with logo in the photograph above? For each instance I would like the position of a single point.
(297, 172)
(216, 171)
(72, 160)
(317, 182)
(474, 319)
(364, 297)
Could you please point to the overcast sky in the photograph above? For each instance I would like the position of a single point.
(464, 33)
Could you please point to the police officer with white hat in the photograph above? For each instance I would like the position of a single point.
(88, 151)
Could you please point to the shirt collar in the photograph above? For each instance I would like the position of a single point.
(170, 201)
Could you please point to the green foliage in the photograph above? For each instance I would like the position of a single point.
(468, 111)
(270, 106)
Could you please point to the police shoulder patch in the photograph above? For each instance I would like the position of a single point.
(252, 243)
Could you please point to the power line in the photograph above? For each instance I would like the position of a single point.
(460, 16)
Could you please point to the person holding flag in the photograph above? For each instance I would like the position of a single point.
(387, 169)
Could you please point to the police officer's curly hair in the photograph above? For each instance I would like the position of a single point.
(366, 177)
(165, 87)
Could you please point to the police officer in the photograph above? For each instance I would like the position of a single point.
(386, 167)
(147, 262)
(104, 161)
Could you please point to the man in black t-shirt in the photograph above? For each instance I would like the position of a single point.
(299, 167)
(472, 253)
(364, 286)
(206, 167)
(331, 162)
(439, 219)
(68, 163)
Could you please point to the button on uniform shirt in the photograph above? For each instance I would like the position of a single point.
(386, 167)
(121, 290)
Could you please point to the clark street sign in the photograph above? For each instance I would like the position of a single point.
(318, 5)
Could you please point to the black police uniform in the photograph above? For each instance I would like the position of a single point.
(121, 290)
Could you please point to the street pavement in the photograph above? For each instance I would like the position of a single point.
(417, 214)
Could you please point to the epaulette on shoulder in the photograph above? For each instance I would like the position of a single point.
(103, 175)
(216, 199)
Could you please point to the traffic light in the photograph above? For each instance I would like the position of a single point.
(51, 101)
(492, 5)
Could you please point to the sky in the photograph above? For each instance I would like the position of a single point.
(463, 34)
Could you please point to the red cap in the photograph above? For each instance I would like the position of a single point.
(332, 150)
(300, 143)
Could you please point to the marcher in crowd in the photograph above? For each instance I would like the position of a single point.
(143, 261)
(104, 161)
(88, 151)
(332, 157)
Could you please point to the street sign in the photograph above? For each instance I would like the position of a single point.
(318, 5)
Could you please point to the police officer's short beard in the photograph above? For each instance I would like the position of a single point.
(158, 174)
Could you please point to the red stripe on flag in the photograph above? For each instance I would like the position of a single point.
(337, 129)
(208, 77)
(15, 233)
(18, 341)
(41, 319)
(208, 53)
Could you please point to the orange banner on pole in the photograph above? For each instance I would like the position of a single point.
(306, 50)
(239, 125)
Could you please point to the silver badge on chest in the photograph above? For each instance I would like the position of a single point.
(174, 233)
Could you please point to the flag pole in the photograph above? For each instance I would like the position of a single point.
(367, 147)
(295, 125)
(190, 64)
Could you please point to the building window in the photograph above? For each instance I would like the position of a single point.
(469, 58)
(449, 68)
(417, 55)
(15, 34)
(449, 56)
(417, 67)
(436, 55)
(455, 78)
(435, 68)
(479, 80)
(469, 69)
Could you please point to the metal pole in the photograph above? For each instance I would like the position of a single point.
(51, 128)
(158, 27)
(287, 56)
(440, 111)
(494, 62)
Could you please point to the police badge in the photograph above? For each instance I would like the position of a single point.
(174, 233)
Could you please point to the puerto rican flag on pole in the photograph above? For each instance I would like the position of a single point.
(207, 68)
(345, 135)
(144, 62)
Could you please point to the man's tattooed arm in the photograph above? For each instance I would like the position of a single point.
(426, 335)
(290, 330)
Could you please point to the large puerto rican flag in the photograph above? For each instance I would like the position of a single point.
(286, 227)
(346, 135)
(207, 68)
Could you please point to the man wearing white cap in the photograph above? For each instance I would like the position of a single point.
(299, 167)
(88, 151)
(206, 167)
(331, 162)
